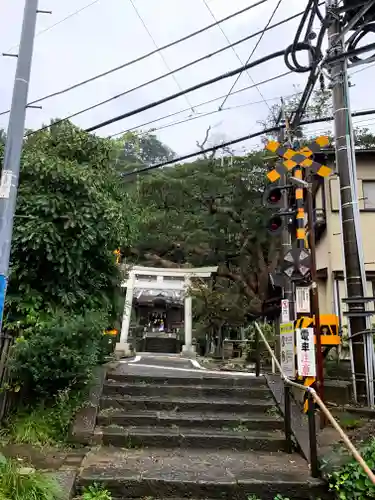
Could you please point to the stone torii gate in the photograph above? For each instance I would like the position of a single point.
(177, 279)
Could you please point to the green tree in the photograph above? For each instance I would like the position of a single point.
(72, 213)
(138, 149)
(210, 213)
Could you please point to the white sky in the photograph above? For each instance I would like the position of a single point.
(109, 33)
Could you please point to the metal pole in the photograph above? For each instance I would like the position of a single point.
(315, 299)
(13, 148)
(343, 146)
(286, 240)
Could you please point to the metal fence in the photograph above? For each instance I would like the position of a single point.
(313, 399)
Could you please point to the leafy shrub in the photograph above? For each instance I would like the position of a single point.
(351, 482)
(44, 424)
(96, 492)
(57, 354)
(17, 483)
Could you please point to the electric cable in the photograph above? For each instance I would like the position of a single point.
(159, 51)
(215, 111)
(315, 52)
(160, 101)
(356, 37)
(315, 74)
(235, 52)
(69, 16)
(236, 141)
(169, 115)
(315, 56)
(253, 51)
(223, 76)
(167, 46)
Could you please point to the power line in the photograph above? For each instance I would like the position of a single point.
(235, 52)
(149, 54)
(69, 16)
(223, 76)
(159, 51)
(236, 141)
(202, 104)
(209, 113)
(156, 103)
(253, 51)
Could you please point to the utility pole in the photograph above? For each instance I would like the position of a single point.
(354, 267)
(13, 148)
(315, 297)
(286, 240)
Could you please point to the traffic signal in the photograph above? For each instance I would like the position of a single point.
(274, 196)
(275, 225)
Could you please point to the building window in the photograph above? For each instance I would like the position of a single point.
(368, 188)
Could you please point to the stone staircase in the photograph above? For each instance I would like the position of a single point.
(193, 435)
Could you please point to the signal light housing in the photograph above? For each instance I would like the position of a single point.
(275, 225)
(273, 196)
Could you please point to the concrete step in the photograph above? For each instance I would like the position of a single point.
(243, 393)
(181, 404)
(190, 420)
(191, 378)
(159, 437)
(200, 474)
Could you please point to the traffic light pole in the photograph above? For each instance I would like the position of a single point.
(345, 164)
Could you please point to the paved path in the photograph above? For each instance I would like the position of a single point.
(165, 365)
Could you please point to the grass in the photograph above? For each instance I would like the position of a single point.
(45, 424)
(19, 483)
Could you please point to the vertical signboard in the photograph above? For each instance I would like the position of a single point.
(287, 360)
(305, 352)
(303, 299)
(285, 311)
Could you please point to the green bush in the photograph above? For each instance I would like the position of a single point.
(44, 424)
(17, 483)
(57, 354)
(351, 482)
(95, 492)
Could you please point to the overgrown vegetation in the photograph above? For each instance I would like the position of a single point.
(351, 482)
(72, 213)
(96, 492)
(46, 424)
(20, 483)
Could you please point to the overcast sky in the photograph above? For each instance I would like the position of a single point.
(109, 33)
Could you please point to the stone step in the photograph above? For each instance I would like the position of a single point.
(193, 378)
(159, 437)
(243, 393)
(158, 403)
(190, 420)
(200, 474)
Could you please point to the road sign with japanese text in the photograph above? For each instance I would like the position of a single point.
(287, 358)
(305, 352)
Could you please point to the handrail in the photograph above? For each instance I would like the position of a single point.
(322, 406)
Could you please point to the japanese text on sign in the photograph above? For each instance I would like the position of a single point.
(305, 352)
(287, 349)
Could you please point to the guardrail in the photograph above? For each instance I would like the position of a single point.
(312, 399)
